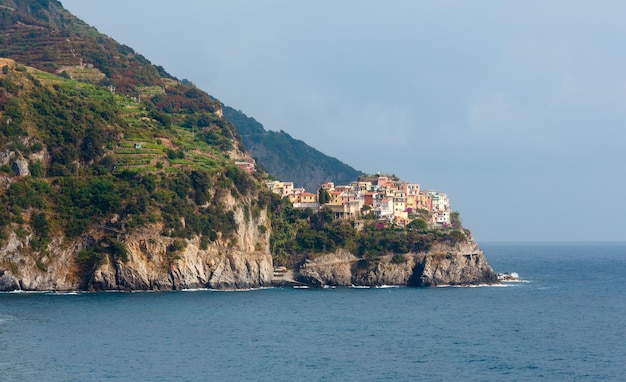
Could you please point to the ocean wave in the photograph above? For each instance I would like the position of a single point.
(19, 291)
(502, 285)
(65, 293)
(45, 292)
(223, 290)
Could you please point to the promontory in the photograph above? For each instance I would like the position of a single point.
(116, 175)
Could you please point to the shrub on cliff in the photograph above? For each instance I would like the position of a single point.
(418, 224)
(296, 232)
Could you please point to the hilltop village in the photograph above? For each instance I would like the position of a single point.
(381, 197)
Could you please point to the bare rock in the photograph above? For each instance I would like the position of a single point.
(244, 262)
(6, 156)
(332, 269)
(462, 264)
(20, 166)
(8, 282)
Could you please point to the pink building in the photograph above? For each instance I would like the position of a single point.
(245, 166)
(328, 186)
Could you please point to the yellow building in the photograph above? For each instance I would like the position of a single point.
(335, 197)
(308, 197)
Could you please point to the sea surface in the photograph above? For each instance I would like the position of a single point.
(565, 322)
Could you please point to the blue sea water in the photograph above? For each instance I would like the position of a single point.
(565, 322)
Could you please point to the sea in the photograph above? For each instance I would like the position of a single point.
(564, 321)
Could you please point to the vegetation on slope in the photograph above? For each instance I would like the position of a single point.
(108, 136)
(42, 34)
(103, 160)
(114, 143)
(298, 234)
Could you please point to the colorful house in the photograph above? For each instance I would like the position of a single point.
(307, 197)
(335, 197)
(246, 167)
(423, 202)
(328, 186)
(439, 201)
(441, 218)
(368, 198)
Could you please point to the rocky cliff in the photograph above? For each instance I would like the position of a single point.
(150, 264)
(460, 264)
(114, 175)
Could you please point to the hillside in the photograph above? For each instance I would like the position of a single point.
(287, 158)
(92, 172)
(114, 175)
(43, 35)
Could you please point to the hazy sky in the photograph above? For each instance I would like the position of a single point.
(517, 110)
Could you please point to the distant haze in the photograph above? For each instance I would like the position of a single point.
(515, 109)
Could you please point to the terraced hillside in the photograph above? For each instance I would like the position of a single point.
(42, 34)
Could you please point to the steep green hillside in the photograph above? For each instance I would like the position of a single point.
(287, 158)
(74, 155)
(115, 175)
(97, 143)
(40, 33)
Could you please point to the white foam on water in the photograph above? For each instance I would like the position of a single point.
(237, 290)
(19, 291)
(195, 290)
(473, 286)
(67, 293)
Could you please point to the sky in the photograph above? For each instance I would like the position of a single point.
(516, 110)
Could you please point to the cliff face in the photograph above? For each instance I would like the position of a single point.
(150, 262)
(150, 268)
(461, 264)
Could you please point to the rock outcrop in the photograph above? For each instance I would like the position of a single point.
(153, 261)
(150, 267)
(461, 264)
(150, 262)
(20, 166)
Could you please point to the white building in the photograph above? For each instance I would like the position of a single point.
(441, 218)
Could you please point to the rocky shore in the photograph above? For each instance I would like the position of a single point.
(149, 266)
(150, 261)
(461, 264)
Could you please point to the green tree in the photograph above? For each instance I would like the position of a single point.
(455, 220)
(36, 169)
(40, 226)
(457, 236)
(323, 196)
(418, 224)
